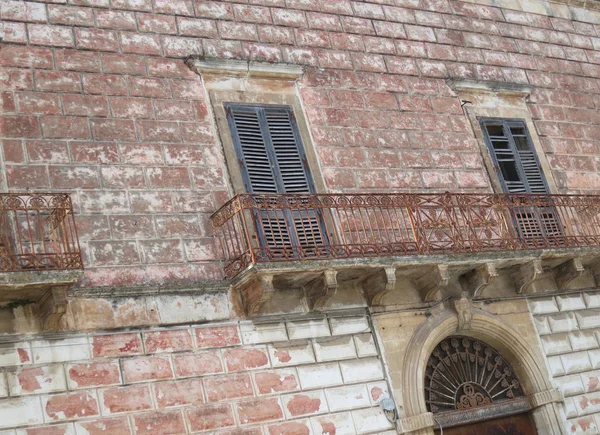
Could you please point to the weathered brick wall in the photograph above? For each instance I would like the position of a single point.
(569, 328)
(319, 376)
(97, 101)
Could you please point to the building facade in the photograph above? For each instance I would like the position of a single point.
(300, 217)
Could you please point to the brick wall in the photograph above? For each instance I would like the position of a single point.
(569, 328)
(97, 101)
(317, 376)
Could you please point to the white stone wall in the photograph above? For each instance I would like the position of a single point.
(569, 329)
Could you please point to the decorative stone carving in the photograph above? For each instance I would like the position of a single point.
(256, 294)
(527, 274)
(475, 281)
(416, 422)
(464, 311)
(52, 307)
(320, 290)
(545, 397)
(431, 284)
(378, 285)
(567, 272)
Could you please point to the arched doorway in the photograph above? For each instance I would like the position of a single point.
(471, 390)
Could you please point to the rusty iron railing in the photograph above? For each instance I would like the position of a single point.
(38, 232)
(257, 228)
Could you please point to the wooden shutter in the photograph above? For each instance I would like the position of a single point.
(519, 170)
(272, 160)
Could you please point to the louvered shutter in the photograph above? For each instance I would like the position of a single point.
(272, 160)
(519, 171)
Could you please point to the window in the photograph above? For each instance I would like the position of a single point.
(519, 171)
(272, 161)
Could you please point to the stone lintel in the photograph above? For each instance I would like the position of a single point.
(527, 274)
(319, 291)
(244, 68)
(459, 85)
(544, 397)
(379, 284)
(567, 272)
(416, 422)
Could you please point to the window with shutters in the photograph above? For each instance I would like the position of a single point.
(519, 170)
(272, 161)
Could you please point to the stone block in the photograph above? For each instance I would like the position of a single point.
(378, 391)
(146, 368)
(365, 345)
(277, 381)
(21, 411)
(555, 364)
(125, 399)
(34, 380)
(197, 364)
(349, 325)
(576, 362)
(583, 340)
(168, 341)
(588, 403)
(543, 305)
(117, 345)
(571, 302)
(340, 424)
(594, 358)
(308, 329)
(3, 385)
(361, 370)
(370, 419)
(570, 385)
(320, 375)
(15, 354)
(159, 422)
(262, 333)
(286, 354)
(591, 381)
(582, 426)
(70, 349)
(330, 349)
(228, 387)
(259, 410)
(245, 358)
(541, 324)
(563, 322)
(556, 344)
(347, 397)
(70, 405)
(177, 393)
(304, 404)
(588, 319)
(220, 336)
(592, 299)
(570, 408)
(210, 417)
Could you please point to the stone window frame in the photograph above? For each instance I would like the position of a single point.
(503, 101)
(247, 82)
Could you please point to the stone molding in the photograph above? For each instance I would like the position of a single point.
(544, 397)
(485, 86)
(416, 422)
(244, 68)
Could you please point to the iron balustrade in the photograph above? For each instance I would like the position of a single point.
(38, 232)
(259, 228)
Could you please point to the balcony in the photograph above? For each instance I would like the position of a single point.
(40, 255)
(433, 240)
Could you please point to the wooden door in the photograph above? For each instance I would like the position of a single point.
(520, 424)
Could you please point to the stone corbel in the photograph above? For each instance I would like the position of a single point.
(257, 293)
(52, 307)
(431, 284)
(377, 286)
(544, 397)
(567, 272)
(527, 274)
(416, 422)
(320, 290)
(475, 281)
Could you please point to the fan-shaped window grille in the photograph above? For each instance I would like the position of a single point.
(464, 373)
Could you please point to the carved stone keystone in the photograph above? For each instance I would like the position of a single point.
(378, 285)
(527, 274)
(475, 281)
(255, 295)
(545, 397)
(464, 311)
(567, 272)
(320, 290)
(431, 284)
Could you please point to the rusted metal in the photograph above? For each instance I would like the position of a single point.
(38, 232)
(256, 228)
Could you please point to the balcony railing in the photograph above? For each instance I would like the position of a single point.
(259, 228)
(37, 232)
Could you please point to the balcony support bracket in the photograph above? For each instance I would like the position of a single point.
(567, 272)
(528, 274)
(378, 285)
(52, 307)
(475, 281)
(257, 294)
(431, 284)
(319, 291)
